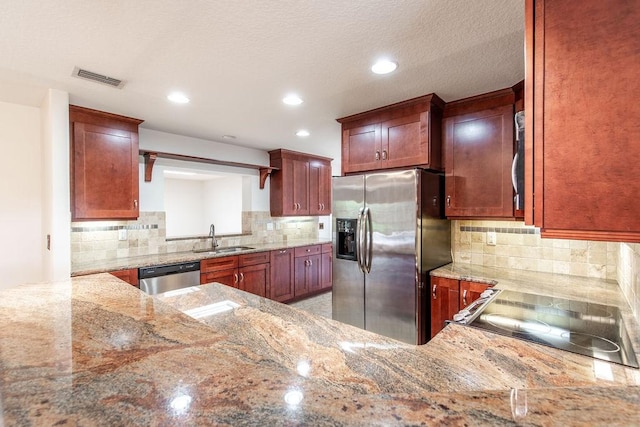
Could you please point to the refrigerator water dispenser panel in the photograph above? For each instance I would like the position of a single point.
(346, 234)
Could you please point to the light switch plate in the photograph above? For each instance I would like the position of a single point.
(122, 234)
(491, 238)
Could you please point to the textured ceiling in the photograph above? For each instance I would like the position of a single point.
(236, 59)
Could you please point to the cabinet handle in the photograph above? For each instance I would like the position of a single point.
(384, 154)
(435, 201)
(235, 277)
(283, 251)
(242, 277)
(464, 298)
(135, 203)
(377, 155)
(434, 291)
(310, 263)
(448, 201)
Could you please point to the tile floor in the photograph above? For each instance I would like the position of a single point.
(319, 304)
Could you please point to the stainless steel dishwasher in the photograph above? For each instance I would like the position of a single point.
(168, 277)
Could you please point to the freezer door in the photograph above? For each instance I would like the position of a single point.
(348, 279)
(390, 287)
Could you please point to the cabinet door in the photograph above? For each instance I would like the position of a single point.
(470, 291)
(281, 286)
(104, 173)
(326, 273)
(226, 277)
(255, 279)
(405, 141)
(361, 148)
(300, 187)
(319, 188)
(444, 302)
(581, 132)
(478, 156)
(301, 284)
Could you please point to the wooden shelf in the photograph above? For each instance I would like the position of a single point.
(151, 156)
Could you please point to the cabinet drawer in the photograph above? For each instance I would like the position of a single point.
(253, 259)
(308, 250)
(327, 248)
(217, 264)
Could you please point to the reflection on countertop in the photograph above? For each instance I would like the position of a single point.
(125, 263)
(97, 351)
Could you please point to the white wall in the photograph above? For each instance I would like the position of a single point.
(184, 207)
(151, 193)
(56, 213)
(22, 247)
(223, 204)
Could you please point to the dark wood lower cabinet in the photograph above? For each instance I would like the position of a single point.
(255, 279)
(449, 296)
(444, 302)
(248, 272)
(282, 268)
(130, 276)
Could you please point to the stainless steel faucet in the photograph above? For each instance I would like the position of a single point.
(212, 234)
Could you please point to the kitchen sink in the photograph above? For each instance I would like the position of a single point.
(229, 249)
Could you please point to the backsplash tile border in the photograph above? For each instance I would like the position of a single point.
(509, 230)
(80, 229)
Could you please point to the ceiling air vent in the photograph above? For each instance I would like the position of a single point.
(95, 77)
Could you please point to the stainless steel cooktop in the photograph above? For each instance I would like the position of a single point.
(594, 330)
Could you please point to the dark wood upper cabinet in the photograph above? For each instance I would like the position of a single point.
(301, 185)
(582, 138)
(479, 151)
(406, 134)
(104, 165)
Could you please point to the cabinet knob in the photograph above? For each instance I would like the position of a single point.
(377, 155)
(384, 154)
(135, 203)
(448, 201)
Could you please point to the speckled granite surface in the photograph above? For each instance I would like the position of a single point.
(114, 264)
(96, 351)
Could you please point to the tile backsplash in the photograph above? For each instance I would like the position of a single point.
(521, 247)
(92, 241)
(629, 274)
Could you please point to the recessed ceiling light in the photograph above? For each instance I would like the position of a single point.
(303, 132)
(292, 99)
(384, 66)
(178, 98)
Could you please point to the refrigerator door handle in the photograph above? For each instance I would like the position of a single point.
(360, 240)
(369, 240)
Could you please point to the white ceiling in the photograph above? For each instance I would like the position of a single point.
(236, 59)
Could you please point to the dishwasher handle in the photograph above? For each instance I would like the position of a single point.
(167, 269)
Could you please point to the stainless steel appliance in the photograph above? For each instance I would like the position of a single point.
(163, 278)
(594, 330)
(389, 234)
(517, 167)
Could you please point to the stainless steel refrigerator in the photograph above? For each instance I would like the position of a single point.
(389, 233)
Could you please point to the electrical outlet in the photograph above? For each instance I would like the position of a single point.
(122, 234)
(269, 226)
(491, 238)
(321, 225)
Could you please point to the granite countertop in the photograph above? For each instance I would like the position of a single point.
(97, 351)
(115, 264)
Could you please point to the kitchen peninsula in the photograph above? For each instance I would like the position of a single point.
(95, 350)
